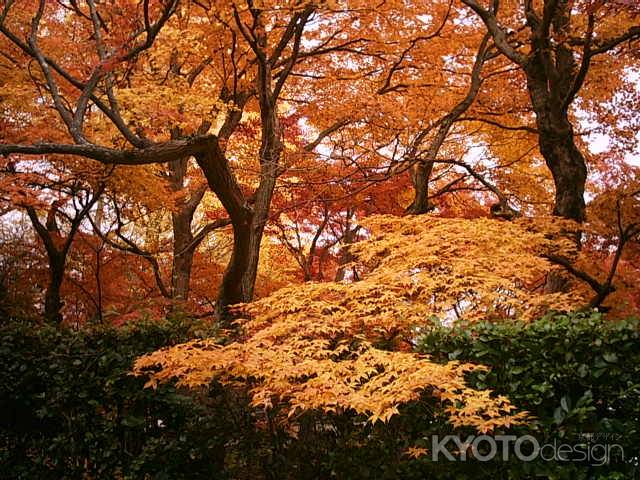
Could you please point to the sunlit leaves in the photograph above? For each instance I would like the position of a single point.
(326, 345)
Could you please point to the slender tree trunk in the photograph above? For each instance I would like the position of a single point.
(182, 255)
(98, 273)
(57, 249)
(99, 218)
(184, 245)
(307, 268)
(53, 301)
(420, 176)
(350, 235)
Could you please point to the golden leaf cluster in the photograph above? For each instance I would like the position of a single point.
(334, 347)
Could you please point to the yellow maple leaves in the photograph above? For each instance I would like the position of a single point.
(334, 347)
(300, 376)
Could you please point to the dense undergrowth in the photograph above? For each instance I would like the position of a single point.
(69, 408)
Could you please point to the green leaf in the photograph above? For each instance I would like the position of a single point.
(558, 416)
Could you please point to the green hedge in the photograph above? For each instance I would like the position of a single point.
(579, 375)
(70, 409)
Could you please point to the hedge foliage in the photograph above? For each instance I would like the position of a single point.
(579, 375)
(70, 409)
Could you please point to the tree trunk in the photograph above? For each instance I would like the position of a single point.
(264, 194)
(568, 169)
(235, 276)
(346, 257)
(240, 277)
(184, 245)
(562, 157)
(553, 80)
(249, 218)
(221, 180)
(420, 176)
(557, 146)
(52, 301)
(421, 173)
(182, 255)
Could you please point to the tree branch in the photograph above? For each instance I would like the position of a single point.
(154, 153)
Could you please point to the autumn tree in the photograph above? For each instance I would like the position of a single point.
(261, 48)
(346, 346)
(298, 121)
(555, 50)
(57, 204)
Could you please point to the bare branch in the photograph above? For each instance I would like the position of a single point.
(497, 32)
(155, 153)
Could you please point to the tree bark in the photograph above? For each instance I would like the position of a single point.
(569, 172)
(182, 255)
(554, 78)
(556, 136)
(346, 257)
(269, 166)
(248, 227)
(223, 183)
(420, 176)
(184, 244)
(53, 302)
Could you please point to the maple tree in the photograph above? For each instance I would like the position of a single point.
(322, 346)
(564, 38)
(255, 64)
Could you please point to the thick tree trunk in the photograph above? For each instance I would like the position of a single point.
(221, 180)
(253, 258)
(248, 227)
(235, 276)
(568, 169)
(261, 206)
(552, 81)
(554, 78)
(557, 146)
(562, 156)
(249, 218)
(239, 279)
